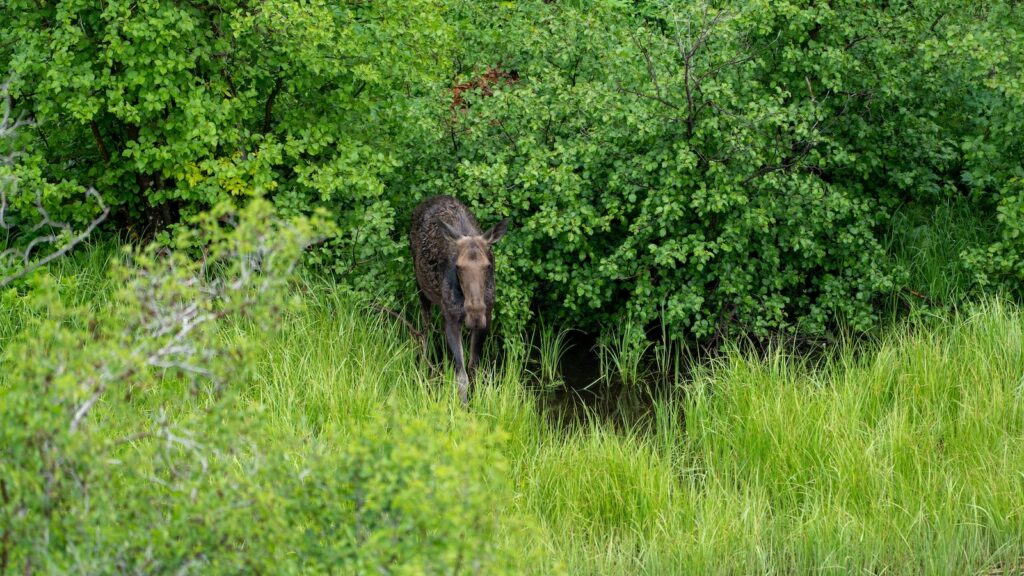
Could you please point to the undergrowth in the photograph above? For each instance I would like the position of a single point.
(902, 455)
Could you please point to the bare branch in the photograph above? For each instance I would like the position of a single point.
(86, 406)
(408, 325)
(27, 266)
(651, 72)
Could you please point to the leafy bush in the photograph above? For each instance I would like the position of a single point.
(718, 167)
(414, 498)
(172, 107)
(722, 167)
(688, 163)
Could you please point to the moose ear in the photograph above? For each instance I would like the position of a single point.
(495, 234)
(452, 233)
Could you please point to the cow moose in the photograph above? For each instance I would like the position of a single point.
(455, 271)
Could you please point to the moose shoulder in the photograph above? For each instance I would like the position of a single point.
(455, 271)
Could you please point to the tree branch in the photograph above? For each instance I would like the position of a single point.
(688, 49)
(651, 72)
(268, 109)
(99, 142)
(655, 98)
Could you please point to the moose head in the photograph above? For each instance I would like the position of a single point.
(474, 265)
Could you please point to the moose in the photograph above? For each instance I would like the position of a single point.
(455, 271)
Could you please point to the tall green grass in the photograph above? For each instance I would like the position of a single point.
(909, 458)
(906, 457)
(902, 455)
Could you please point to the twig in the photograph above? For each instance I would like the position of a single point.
(86, 406)
(811, 91)
(917, 294)
(420, 337)
(408, 325)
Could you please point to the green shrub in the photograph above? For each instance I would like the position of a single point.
(407, 496)
(725, 167)
(172, 107)
(717, 167)
(689, 166)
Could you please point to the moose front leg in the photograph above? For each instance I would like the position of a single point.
(476, 347)
(453, 334)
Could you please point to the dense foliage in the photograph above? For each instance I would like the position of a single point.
(718, 166)
(171, 107)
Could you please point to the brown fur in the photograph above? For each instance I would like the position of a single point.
(455, 271)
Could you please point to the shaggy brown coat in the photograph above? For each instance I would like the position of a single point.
(455, 271)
